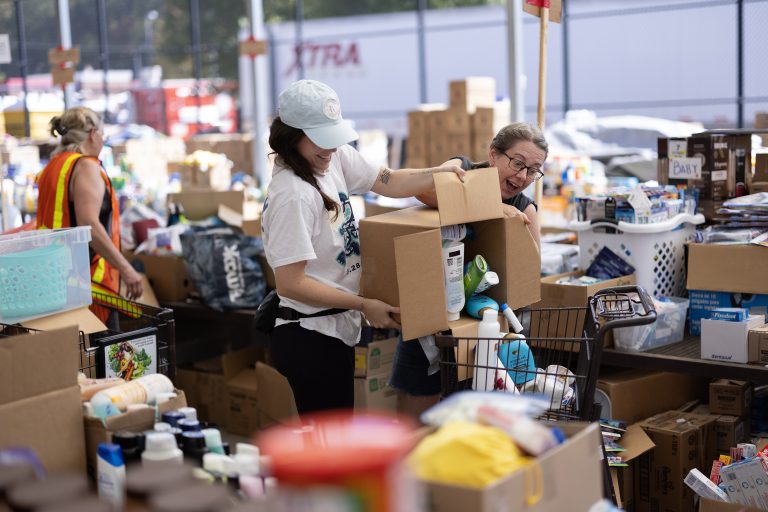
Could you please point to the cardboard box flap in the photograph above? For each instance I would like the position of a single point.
(635, 442)
(276, 397)
(423, 311)
(246, 380)
(233, 363)
(477, 198)
(132, 421)
(38, 363)
(416, 216)
(199, 205)
(82, 318)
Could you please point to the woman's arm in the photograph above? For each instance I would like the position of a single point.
(87, 189)
(409, 182)
(293, 283)
(429, 197)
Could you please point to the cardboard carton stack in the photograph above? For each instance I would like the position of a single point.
(373, 367)
(236, 147)
(465, 128)
(731, 401)
(725, 161)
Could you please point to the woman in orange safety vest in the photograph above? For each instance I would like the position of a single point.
(74, 190)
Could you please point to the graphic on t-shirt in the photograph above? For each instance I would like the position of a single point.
(348, 231)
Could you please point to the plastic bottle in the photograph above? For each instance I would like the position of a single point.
(512, 320)
(476, 268)
(131, 445)
(114, 400)
(489, 279)
(477, 304)
(453, 233)
(189, 413)
(193, 446)
(187, 425)
(517, 358)
(110, 474)
(488, 333)
(251, 484)
(161, 450)
(453, 268)
(213, 440)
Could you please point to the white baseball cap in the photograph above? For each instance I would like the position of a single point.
(314, 107)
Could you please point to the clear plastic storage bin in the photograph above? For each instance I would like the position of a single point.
(668, 328)
(44, 272)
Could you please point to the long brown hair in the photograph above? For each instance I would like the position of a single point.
(284, 141)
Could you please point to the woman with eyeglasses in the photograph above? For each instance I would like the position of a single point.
(74, 190)
(518, 152)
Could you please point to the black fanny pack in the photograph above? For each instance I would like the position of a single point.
(270, 310)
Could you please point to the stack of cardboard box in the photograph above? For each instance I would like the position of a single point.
(373, 367)
(465, 128)
(236, 146)
(725, 162)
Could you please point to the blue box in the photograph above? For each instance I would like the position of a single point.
(729, 314)
(704, 302)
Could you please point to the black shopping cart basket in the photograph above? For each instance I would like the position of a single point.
(557, 356)
(139, 340)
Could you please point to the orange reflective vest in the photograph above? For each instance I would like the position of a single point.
(53, 212)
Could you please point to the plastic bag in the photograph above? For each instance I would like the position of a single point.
(222, 263)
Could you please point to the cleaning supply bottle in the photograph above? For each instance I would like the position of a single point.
(489, 279)
(453, 264)
(514, 323)
(517, 358)
(114, 400)
(110, 474)
(161, 450)
(477, 304)
(488, 333)
(476, 268)
(453, 233)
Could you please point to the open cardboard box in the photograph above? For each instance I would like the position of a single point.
(402, 258)
(635, 443)
(201, 204)
(568, 477)
(40, 399)
(728, 268)
(98, 431)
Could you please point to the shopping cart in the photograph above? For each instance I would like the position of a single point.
(559, 357)
(132, 326)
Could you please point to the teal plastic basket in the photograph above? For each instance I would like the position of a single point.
(34, 282)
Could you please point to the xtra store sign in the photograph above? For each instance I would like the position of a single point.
(327, 58)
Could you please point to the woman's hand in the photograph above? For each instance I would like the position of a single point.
(511, 212)
(453, 168)
(377, 313)
(134, 287)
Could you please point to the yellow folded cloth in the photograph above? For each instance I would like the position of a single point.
(467, 454)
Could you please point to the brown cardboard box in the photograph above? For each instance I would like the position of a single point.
(206, 383)
(637, 394)
(276, 401)
(728, 396)
(418, 128)
(201, 204)
(98, 431)
(236, 146)
(401, 252)
(705, 264)
(635, 443)
(457, 145)
(683, 441)
(729, 430)
(568, 323)
(707, 505)
(192, 177)
(249, 219)
(243, 400)
(375, 358)
(761, 122)
(168, 276)
(569, 477)
(757, 345)
(472, 92)
(417, 150)
(39, 397)
(374, 393)
(458, 123)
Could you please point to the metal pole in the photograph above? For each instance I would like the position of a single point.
(515, 67)
(259, 100)
(22, 59)
(65, 31)
(421, 9)
(194, 18)
(740, 63)
(566, 63)
(300, 37)
(101, 13)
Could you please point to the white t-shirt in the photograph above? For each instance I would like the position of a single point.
(296, 227)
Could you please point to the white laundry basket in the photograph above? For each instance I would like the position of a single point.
(657, 251)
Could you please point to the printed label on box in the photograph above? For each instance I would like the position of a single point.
(131, 359)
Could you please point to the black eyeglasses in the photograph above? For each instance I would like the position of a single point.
(516, 165)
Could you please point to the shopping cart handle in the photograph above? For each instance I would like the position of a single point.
(617, 306)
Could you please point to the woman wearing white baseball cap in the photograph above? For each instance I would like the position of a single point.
(312, 243)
